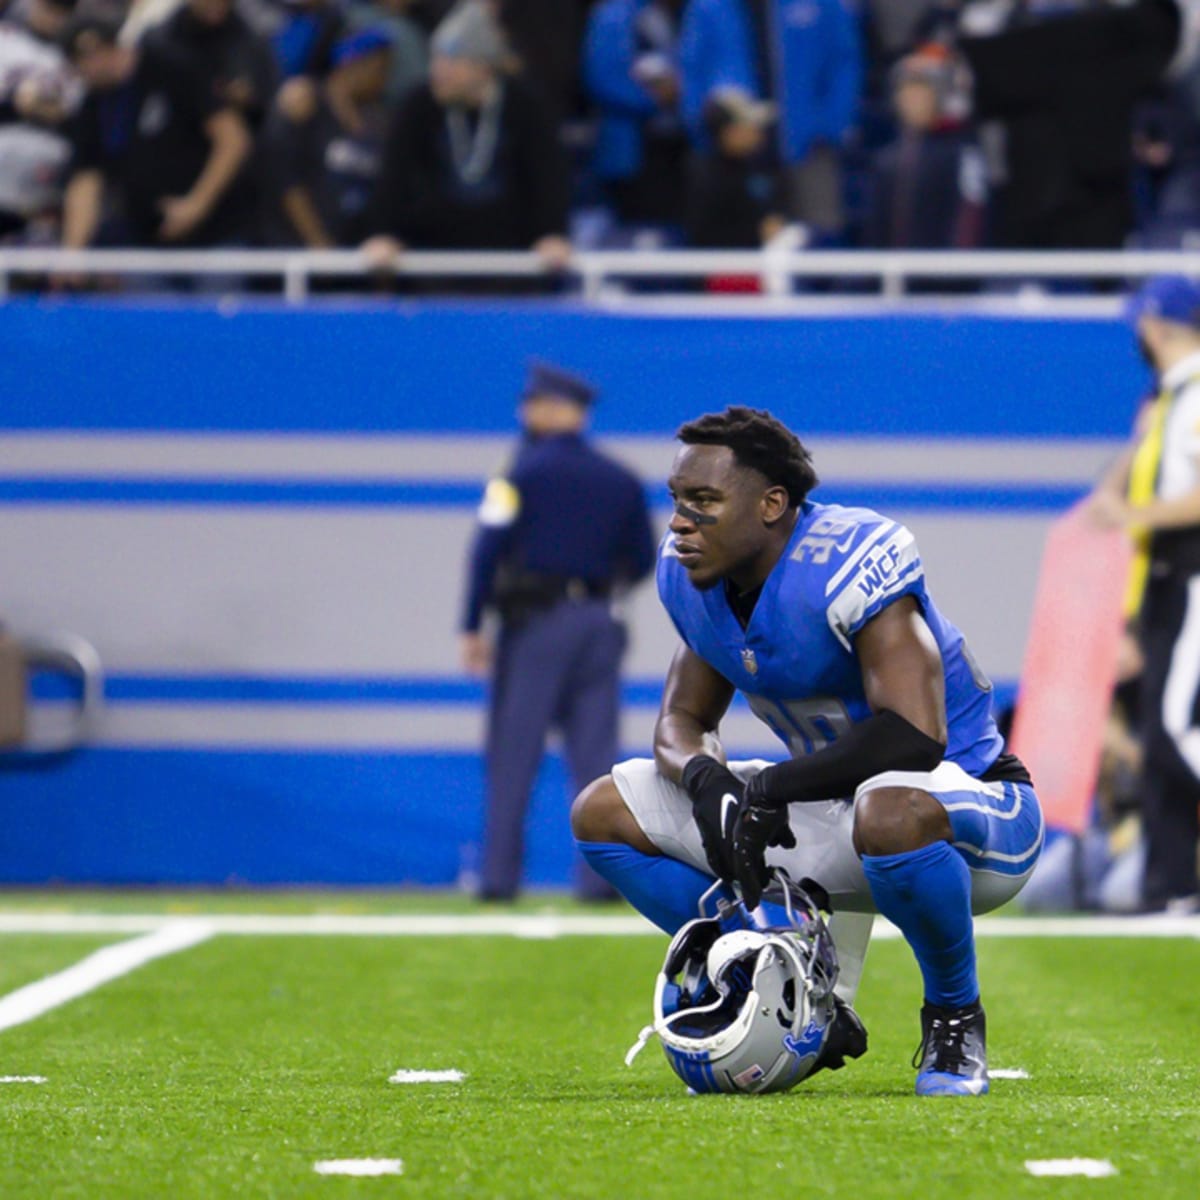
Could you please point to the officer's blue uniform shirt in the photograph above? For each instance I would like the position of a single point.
(795, 661)
(562, 509)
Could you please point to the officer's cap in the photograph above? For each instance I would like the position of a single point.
(1167, 297)
(545, 379)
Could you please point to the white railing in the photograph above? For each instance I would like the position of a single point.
(593, 271)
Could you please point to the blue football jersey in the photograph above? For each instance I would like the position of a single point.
(795, 661)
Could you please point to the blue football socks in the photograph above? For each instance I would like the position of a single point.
(926, 893)
(664, 890)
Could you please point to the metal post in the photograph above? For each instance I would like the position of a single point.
(295, 281)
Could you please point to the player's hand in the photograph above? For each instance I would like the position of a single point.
(716, 794)
(759, 825)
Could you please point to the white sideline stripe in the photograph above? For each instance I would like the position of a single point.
(1093, 1168)
(534, 926)
(427, 1077)
(359, 1166)
(99, 968)
(23, 1079)
(1007, 1073)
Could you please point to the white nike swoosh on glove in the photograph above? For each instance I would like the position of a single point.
(728, 801)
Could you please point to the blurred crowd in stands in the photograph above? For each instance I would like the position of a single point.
(553, 124)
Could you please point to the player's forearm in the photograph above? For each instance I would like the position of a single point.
(679, 737)
(883, 742)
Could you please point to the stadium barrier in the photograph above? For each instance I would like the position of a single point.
(892, 272)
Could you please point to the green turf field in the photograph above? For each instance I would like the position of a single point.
(232, 1067)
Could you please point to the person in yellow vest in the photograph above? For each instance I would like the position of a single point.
(1153, 492)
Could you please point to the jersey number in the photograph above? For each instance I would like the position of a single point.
(805, 725)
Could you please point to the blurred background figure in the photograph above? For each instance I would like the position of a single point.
(38, 94)
(1102, 868)
(806, 57)
(927, 189)
(631, 75)
(1153, 492)
(153, 135)
(232, 60)
(733, 196)
(562, 531)
(1062, 82)
(409, 58)
(323, 144)
(471, 160)
(306, 35)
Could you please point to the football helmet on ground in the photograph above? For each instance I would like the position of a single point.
(739, 1008)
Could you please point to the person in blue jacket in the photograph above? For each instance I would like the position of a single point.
(561, 531)
(631, 76)
(806, 56)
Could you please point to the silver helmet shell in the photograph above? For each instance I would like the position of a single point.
(742, 1009)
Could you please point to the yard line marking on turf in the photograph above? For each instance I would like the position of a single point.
(359, 1166)
(23, 1079)
(1007, 1073)
(541, 926)
(1093, 1168)
(31, 1001)
(427, 1077)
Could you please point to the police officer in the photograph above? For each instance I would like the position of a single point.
(558, 534)
(1153, 491)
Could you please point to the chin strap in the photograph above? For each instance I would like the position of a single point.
(642, 1038)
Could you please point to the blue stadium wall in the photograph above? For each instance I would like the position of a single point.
(259, 517)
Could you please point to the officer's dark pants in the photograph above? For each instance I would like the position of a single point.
(560, 667)
(1170, 791)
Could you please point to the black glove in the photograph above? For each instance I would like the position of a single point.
(760, 824)
(716, 794)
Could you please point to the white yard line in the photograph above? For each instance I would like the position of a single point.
(99, 968)
(450, 1076)
(1093, 1168)
(23, 1079)
(538, 926)
(359, 1166)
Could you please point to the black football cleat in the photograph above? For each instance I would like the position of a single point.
(952, 1057)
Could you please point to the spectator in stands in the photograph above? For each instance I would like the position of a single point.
(545, 36)
(222, 49)
(306, 37)
(151, 130)
(1064, 88)
(471, 160)
(927, 189)
(322, 147)
(631, 75)
(756, 45)
(409, 46)
(38, 94)
(732, 200)
(1167, 150)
